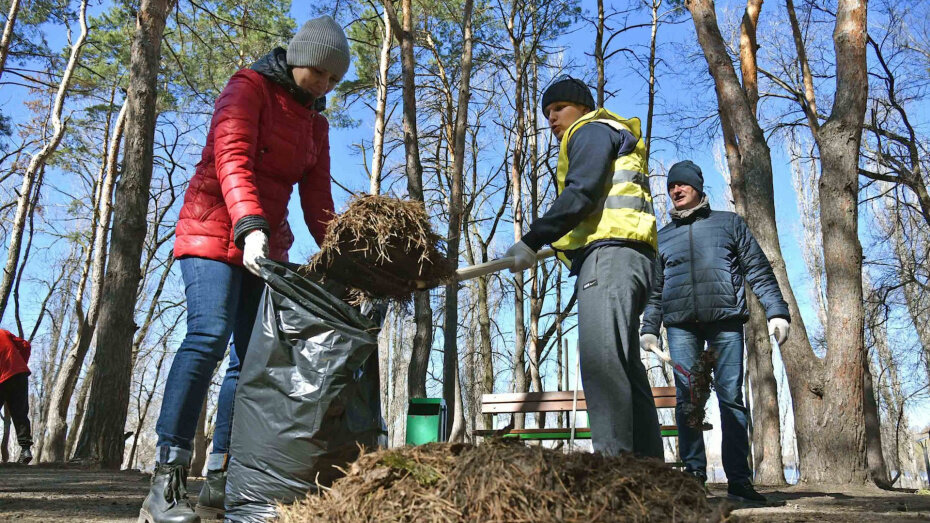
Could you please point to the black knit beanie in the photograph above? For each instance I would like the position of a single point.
(567, 89)
(688, 173)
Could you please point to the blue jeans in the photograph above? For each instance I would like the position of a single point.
(222, 299)
(685, 343)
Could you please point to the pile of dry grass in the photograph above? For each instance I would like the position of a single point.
(701, 381)
(505, 481)
(383, 248)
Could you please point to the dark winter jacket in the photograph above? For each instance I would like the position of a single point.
(701, 268)
(265, 137)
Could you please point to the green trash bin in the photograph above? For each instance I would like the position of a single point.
(426, 420)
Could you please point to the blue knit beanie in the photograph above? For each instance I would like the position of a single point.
(688, 173)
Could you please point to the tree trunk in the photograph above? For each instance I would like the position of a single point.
(538, 275)
(8, 34)
(102, 440)
(399, 378)
(384, 64)
(873, 430)
(37, 163)
(650, 109)
(33, 202)
(768, 467)
(451, 390)
(80, 408)
(516, 178)
(5, 440)
(839, 141)
(51, 368)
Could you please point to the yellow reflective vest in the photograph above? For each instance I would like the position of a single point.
(625, 211)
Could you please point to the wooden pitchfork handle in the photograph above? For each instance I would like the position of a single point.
(483, 269)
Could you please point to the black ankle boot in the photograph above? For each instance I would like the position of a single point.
(167, 499)
(211, 503)
(25, 456)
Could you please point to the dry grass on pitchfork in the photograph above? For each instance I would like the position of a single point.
(384, 248)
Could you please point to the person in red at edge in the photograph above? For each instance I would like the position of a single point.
(266, 136)
(14, 389)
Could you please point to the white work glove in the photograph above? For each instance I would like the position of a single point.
(255, 247)
(779, 328)
(523, 257)
(650, 342)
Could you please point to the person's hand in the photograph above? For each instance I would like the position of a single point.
(779, 328)
(523, 256)
(255, 247)
(650, 342)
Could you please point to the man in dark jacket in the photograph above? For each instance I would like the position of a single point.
(14, 389)
(698, 291)
(603, 227)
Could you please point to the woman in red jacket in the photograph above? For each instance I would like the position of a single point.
(14, 389)
(266, 136)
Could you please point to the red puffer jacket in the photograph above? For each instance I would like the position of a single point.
(262, 141)
(14, 355)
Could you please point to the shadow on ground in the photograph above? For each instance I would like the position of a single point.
(860, 505)
(72, 493)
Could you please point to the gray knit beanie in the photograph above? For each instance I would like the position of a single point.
(322, 43)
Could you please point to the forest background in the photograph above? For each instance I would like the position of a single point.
(462, 82)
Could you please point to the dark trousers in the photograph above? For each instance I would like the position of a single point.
(685, 343)
(613, 286)
(14, 397)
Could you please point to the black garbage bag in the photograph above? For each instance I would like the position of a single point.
(308, 395)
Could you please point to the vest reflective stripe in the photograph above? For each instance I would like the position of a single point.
(628, 202)
(624, 175)
(626, 211)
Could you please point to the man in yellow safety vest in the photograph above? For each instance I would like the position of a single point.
(603, 228)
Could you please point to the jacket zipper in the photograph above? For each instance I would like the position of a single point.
(693, 283)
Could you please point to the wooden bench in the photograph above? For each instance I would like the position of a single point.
(543, 402)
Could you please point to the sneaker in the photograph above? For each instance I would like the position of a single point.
(743, 491)
(25, 456)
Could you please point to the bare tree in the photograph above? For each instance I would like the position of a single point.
(831, 451)
(452, 392)
(423, 313)
(38, 161)
(102, 440)
(94, 265)
(384, 64)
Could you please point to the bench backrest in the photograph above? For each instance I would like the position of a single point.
(556, 401)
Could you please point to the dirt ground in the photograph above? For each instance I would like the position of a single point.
(42, 493)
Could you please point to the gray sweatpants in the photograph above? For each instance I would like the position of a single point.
(613, 287)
